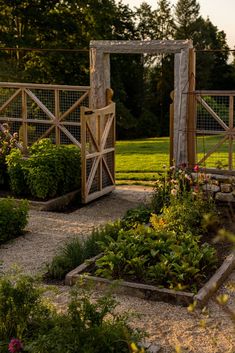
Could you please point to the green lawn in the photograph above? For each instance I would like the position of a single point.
(142, 160)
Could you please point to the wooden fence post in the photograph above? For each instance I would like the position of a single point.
(172, 129)
(24, 120)
(191, 123)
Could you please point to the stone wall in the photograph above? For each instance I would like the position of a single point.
(221, 187)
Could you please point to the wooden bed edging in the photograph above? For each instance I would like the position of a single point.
(150, 292)
(55, 204)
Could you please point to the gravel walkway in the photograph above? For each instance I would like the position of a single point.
(166, 324)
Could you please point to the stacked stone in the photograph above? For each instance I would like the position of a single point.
(221, 187)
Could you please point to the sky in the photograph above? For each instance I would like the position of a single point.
(220, 12)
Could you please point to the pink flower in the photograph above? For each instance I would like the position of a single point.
(15, 345)
(196, 168)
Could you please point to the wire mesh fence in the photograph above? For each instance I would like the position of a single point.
(36, 111)
(215, 129)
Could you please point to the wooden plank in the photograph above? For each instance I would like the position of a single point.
(140, 46)
(215, 93)
(41, 105)
(172, 128)
(108, 170)
(231, 124)
(57, 116)
(211, 132)
(96, 154)
(211, 111)
(91, 176)
(213, 149)
(70, 136)
(107, 131)
(83, 154)
(5, 105)
(97, 194)
(43, 86)
(24, 120)
(95, 144)
(74, 106)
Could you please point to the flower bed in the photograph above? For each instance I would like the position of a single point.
(162, 250)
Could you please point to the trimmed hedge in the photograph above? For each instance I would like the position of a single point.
(49, 171)
(13, 218)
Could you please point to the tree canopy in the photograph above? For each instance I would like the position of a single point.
(142, 84)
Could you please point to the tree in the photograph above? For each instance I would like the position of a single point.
(186, 13)
(165, 20)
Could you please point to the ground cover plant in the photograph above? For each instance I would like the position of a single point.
(13, 218)
(48, 171)
(30, 324)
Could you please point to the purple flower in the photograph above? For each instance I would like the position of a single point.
(196, 168)
(15, 345)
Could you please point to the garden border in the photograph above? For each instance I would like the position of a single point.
(150, 292)
(54, 204)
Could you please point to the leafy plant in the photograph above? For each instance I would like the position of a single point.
(160, 257)
(21, 306)
(13, 218)
(49, 170)
(186, 214)
(76, 251)
(135, 216)
(31, 324)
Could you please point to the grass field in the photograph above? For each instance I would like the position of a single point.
(140, 161)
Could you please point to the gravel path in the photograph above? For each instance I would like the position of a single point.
(166, 324)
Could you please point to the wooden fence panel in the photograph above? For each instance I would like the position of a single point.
(98, 152)
(215, 130)
(37, 111)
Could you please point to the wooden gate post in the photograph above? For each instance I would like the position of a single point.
(191, 122)
(172, 129)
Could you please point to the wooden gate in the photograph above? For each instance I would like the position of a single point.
(97, 151)
(215, 129)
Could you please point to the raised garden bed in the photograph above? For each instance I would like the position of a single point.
(150, 292)
(60, 203)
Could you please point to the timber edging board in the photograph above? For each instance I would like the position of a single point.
(150, 292)
(55, 204)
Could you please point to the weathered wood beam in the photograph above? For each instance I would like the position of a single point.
(140, 47)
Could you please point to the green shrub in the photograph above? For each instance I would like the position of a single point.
(76, 251)
(13, 218)
(49, 170)
(7, 143)
(87, 327)
(157, 257)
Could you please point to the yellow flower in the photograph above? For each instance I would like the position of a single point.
(134, 348)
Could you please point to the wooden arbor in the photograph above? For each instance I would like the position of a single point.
(183, 144)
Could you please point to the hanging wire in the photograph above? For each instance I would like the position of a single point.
(82, 50)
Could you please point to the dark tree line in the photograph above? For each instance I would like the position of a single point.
(142, 84)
